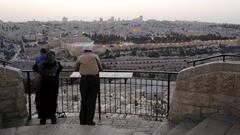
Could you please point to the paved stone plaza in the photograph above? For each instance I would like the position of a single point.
(109, 124)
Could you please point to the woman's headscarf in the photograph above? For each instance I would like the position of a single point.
(50, 57)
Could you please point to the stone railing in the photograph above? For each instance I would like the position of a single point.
(207, 89)
(13, 109)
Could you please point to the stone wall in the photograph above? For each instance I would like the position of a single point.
(13, 110)
(207, 89)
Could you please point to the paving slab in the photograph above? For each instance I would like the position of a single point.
(74, 129)
(72, 120)
(104, 130)
(105, 121)
(124, 132)
(36, 130)
(8, 131)
(36, 121)
(146, 130)
(70, 125)
(139, 133)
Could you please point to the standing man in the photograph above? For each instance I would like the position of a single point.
(88, 64)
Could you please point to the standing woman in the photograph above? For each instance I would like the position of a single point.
(46, 97)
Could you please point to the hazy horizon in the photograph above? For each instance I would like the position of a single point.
(224, 11)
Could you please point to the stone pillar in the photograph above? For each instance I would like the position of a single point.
(13, 111)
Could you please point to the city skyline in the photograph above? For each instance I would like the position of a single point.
(224, 11)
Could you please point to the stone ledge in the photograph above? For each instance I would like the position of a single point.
(208, 68)
(213, 87)
(10, 72)
(13, 108)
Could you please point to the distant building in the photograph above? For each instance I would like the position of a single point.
(76, 48)
(101, 19)
(139, 19)
(112, 19)
(64, 19)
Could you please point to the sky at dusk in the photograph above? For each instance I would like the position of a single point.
(219, 11)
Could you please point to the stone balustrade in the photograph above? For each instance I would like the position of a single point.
(13, 109)
(206, 89)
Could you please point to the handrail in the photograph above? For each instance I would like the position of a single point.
(122, 85)
(4, 62)
(208, 58)
(140, 71)
(135, 71)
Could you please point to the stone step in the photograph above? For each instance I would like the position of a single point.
(223, 117)
(8, 131)
(235, 130)
(147, 127)
(164, 128)
(211, 126)
(14, 123)
(183, 127)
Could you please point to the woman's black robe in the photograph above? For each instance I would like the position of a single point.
(46, 96)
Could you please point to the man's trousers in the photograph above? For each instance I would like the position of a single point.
(89, 86)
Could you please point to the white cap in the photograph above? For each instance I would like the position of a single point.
(88, 47)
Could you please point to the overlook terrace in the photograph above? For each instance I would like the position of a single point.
(200, 91)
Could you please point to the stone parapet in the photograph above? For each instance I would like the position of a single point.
(206, 89)
(13, 109)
